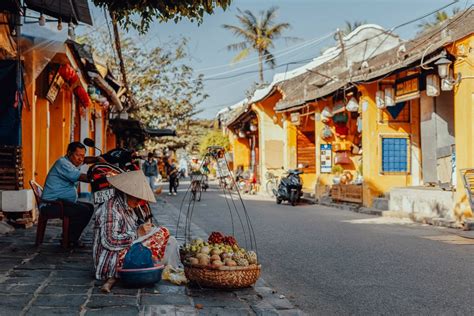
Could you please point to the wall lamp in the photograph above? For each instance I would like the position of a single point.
(445, 73)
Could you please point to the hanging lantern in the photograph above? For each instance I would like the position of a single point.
(241, 134)
(443, 66)
(432, 85)
(389, 97)
(380, 99)
(253, 127)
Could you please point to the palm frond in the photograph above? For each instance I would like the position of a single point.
(269, 58)
(237, 46)
(243, 54)
(269, 16)
(276, 30)
(240, 32)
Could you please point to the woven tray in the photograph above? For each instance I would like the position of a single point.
(223, 277)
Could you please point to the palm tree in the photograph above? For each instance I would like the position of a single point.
(258, 34)
(440, 16)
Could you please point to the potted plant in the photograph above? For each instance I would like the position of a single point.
(337, 170)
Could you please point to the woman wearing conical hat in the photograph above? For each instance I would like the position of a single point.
(117, 226)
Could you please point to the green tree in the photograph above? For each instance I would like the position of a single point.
(214, 138)
(166, 89)
(139, 14)
(439, 17)
(257, 34)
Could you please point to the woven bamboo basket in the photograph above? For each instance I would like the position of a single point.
(223, 277)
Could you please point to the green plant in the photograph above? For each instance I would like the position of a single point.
(337, 169)
(214, 138)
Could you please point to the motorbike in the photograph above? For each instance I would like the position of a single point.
(118, 160)
(290, 188)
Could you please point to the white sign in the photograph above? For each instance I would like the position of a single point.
(326, 158)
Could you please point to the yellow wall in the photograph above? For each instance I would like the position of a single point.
(28, 135)
(463, 119)
(375, 183)
(241, 150)
(271, 136)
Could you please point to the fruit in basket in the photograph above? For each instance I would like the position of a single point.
(230, 240)
(204, 260)
(216, 251)
(238, 255)
(193, 260)
(215, 257)
(216, 238)
(217, 263)
(205, 250)
(251, 256)
(242, 262)
(230, 263)
(226, 255)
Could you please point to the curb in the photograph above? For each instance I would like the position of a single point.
(433, 221)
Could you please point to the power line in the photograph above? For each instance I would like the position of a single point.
(283, 54)
(304, 44)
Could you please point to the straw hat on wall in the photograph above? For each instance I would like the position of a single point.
(133, 183)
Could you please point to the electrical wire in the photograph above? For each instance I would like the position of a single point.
(298, 46)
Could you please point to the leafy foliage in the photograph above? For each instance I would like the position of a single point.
(257, 34)
(213, 138)
(166, 89)
(139, 14)
(439, 17)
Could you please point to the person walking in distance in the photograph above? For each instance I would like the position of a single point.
(150, 169)
(172, 173)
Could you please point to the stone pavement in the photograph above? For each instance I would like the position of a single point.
(50, 281)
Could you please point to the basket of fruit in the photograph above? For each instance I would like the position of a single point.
(219, 261)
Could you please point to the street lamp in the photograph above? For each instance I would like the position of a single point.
(443, 67)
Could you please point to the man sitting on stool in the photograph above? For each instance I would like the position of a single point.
(61, 185)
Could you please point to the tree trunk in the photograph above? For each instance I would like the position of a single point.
(118, 47)
(260, 66)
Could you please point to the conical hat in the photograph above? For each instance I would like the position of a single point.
(133, 183)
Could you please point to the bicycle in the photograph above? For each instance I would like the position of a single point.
(196, 190)
(271, 183)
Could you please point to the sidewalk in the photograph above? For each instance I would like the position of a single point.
(50, 281)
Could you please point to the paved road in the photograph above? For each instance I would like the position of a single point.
(329, 261)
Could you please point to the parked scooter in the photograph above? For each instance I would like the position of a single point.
(290, 188)
(118, 160)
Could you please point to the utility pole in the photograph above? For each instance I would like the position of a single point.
(341, 42)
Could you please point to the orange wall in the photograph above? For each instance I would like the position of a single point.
(28, 133)
(42, 140)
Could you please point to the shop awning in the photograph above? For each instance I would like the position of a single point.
(133, 128)
(10, 5)
(77, 10)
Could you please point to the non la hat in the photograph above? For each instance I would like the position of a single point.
(133, 183)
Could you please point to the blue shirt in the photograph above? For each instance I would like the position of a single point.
(61, 182)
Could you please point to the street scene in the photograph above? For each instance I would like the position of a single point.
(236, 157)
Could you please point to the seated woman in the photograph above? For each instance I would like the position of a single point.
(117, 226)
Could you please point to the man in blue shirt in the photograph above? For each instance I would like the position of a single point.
(61, 185)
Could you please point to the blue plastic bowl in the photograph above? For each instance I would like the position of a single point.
(141, 277)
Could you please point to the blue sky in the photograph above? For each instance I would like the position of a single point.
(309, 19)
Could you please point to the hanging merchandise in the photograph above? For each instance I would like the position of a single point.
(341, 130)
(342, 146)
(338, 108)
(380, 99)
(326, 112)
(359, 124)
(326, 132)
(342, 158)
(340, 118)
(352, 105)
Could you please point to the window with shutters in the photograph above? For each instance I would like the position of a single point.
(306, 150)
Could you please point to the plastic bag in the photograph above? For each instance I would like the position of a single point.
(138, 257)
(174, 275)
